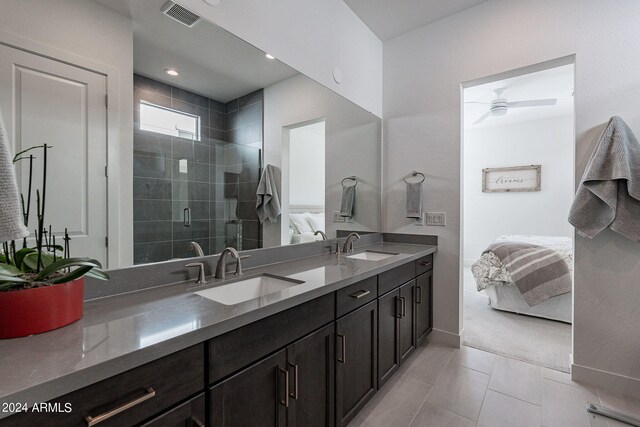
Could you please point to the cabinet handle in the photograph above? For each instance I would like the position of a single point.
(285, 402)
(92, 421)
(187, 217)
(425, 263)
(295, 381)
(197, 422)
(360, 294)
(418, 295)
(343, 352)
(398, 312)
(404, 306)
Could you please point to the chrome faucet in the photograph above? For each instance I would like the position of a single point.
(348, 243)
(324, 236)
(201, 274)
(194, 246)
(221, 267)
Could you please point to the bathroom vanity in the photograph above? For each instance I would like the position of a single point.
(313, 353)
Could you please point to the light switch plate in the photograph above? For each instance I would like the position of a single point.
(436, 218)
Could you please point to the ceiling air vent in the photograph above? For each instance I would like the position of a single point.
(180, 14)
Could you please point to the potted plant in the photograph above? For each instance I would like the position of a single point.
(41, 287)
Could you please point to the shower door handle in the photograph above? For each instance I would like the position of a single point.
(187, 217)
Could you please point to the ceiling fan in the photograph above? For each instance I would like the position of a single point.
(499, 106)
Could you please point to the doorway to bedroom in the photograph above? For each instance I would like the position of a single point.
(517, 188)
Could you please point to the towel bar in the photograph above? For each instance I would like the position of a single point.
(355, 179)
(413, 174)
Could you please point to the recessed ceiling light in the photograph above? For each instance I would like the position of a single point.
(171, 72)
(269, 56)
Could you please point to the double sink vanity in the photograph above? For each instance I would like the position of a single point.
(300, 340)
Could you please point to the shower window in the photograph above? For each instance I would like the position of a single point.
(166, 121)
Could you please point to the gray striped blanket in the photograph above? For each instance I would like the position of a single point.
(539, 273)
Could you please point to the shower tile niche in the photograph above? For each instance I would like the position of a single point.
(198, 188)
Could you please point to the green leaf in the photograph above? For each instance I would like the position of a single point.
(67, 262)
(9, 270)
(31, 260)
(98, 274)
(21, 254)
(78, 272)
(11, 279)
(8, 286)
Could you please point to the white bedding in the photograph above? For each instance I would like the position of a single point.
(492, 278)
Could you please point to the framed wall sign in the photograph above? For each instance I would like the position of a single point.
(512, 179)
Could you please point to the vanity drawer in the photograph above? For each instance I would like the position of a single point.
(241, 347)
(424, 264)
(356, 295)
(392, 279)
(145, 391)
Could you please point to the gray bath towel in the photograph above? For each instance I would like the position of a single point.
(268, 202)
(11, 222)
(609, 193)
(414, 200)
(347, 207)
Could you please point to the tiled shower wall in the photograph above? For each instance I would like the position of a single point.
(220, 183)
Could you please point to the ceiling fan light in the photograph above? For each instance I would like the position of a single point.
(501, 111)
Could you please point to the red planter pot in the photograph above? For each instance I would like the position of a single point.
(34, 311)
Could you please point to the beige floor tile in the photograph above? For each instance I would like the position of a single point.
(475, 359)
(434, 416)
(564, 405)
(629, 405)
(499, 410)
(427, 363)
(564, 378)
(517, 379)
(460, 390)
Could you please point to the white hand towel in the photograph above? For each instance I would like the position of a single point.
(11, 221)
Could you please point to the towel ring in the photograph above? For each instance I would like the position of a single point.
(349, 178)
(412, 174)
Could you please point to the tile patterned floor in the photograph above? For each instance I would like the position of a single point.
(446, 387)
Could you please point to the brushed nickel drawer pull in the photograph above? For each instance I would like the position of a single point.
(404, 307)
(197, 422)
(398, 310)
(295, 381)
(425, 263)
(360, 294)
(285, 402)
(343, 352)
(418, 295)
(92, 421)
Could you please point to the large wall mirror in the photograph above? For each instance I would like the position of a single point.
(213, 116)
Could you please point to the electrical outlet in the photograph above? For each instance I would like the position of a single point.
(337, 217)
(436, 218)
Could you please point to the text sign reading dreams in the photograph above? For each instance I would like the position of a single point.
(512, 179)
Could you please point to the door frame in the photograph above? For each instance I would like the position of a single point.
(120, 247)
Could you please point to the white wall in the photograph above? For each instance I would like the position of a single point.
(546, 142)
(87, 34)
(423, 70)
(307, 165)
(352, 148)
(310, 36)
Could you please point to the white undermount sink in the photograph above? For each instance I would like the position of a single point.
(248, 289)
(372, 255)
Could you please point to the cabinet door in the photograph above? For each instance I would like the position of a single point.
(189, 414)
(356, 356)
(423, 298)
(256, 397)
(311, 366)
(389, 311)
(407, 321)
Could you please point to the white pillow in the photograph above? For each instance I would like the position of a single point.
(301, 222)
(316, 221)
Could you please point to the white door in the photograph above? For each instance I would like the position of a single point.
(47, 101)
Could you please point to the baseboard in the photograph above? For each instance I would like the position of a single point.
(446, 338)
(606, 380)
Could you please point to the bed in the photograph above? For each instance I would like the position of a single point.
(304, 221)
(492, 277)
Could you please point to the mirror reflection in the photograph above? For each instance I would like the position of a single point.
(231, 147)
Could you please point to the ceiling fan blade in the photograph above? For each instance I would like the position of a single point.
(482, 117)
(477, 102)
(532, 103)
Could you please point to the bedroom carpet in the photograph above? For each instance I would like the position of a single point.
(538, 341)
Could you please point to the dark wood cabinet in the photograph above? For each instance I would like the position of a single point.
(255, 397)
(407, 320)
(357, 359)
(389, 312)
(189, 414)
(311, 366)
(423, 305)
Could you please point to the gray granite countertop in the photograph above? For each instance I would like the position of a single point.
(125, 331)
